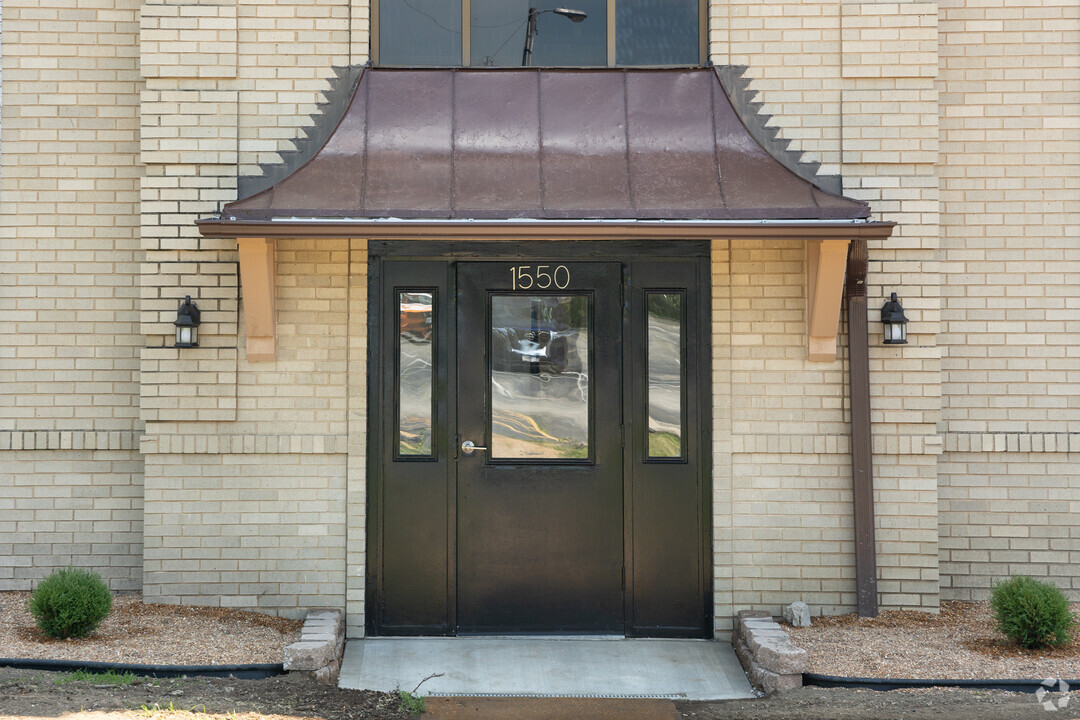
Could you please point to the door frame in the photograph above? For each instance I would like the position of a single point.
(449, 252)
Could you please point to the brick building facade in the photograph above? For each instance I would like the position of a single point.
(201, 476)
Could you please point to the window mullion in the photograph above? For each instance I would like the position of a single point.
(466, 32)
(611, 33)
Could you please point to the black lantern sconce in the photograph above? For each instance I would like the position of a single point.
(894, 322)
(187, 324)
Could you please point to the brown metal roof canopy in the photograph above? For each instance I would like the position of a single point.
(543, 144)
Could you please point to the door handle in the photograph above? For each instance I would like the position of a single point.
(468, 447)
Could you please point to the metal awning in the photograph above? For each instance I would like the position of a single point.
(539, 153)
(552, 145)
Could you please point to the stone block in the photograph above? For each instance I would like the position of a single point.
(328, 675)
(782, 658)
(797, 614)
(771, 662)
(771, 682)
(308, 655)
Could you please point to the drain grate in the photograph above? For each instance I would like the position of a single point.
(673, 696)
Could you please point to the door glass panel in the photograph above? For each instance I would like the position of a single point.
(664, 368)
(540, 377)
(415, 373)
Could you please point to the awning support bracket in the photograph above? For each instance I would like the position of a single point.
(826, 262)
(258, 280)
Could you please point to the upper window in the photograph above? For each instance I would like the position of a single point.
(512, 33)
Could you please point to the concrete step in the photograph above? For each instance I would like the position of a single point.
(547, 667)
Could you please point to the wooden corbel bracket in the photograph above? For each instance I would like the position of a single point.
(258, 279)
(826, 261)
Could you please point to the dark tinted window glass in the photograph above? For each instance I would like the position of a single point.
(656, 32)
(664, 345)
(499, 26)
(420, 32)
(415, 372)
(540, 376)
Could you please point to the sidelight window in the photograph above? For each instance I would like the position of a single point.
(415, 372)
(664, 367)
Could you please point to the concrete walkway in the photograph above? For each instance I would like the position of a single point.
(547, 667)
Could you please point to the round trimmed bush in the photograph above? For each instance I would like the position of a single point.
(70, 603)
(1032, 613)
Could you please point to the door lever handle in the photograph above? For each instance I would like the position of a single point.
(468, 447)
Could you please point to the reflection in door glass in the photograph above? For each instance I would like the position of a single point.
(415, 371)
(540, 376)
(664, 361)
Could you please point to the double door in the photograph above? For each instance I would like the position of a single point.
(539, 435)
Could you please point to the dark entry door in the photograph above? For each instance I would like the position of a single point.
(585, 380)
(540, 498)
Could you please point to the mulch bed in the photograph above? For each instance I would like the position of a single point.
(154, 634)
(961, 641)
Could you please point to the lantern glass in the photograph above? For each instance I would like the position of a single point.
(895, 333)
(187, 324)
(186, 336)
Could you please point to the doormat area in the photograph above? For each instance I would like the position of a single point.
(546, 668)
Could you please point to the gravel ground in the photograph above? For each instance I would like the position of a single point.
(960, 642)
(153, 634)
(27, 695)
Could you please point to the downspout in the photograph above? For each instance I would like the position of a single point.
(862, 470)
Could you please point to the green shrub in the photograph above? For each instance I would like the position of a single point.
(1032, 613)
(70, 603)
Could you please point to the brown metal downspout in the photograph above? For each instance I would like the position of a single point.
(862, 469)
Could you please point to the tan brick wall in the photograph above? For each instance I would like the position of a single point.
(959, 121)
(356, 497)
(286, 51)
(1010, 132)
(228, 84)
(1010, 190)
(276, 468)
(69, 248)
(61, 507)
(783, 525)
(792, 48)
(1008, 513)
(70, 473)
(251, 530)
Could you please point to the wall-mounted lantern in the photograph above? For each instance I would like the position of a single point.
(187, 324)
(894, 322)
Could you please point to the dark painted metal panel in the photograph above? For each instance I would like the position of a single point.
(496, 144)
(408, 147)
(542, 547)
(583, 137)
(672, 154)
(862, 456)
(412, 532)
(668, 577)
(540, 542)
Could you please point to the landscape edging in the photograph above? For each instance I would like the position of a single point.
(864, 683)
(255, 671)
